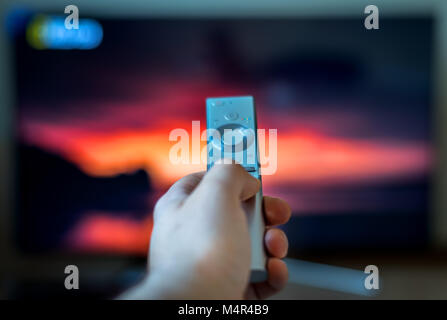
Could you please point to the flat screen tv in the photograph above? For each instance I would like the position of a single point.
(352, 109)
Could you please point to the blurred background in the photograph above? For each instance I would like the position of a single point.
(86, 115)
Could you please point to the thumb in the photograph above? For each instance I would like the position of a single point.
(232, 180)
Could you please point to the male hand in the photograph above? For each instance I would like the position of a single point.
(200, 245)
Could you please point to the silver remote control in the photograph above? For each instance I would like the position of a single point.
(232, 134)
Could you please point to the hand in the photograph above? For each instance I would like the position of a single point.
(200, 245)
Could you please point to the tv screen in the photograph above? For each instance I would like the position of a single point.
(351, 107)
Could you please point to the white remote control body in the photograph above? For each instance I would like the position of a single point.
(232, 134)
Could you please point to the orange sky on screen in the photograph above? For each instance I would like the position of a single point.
(101, 232)
(302, 157)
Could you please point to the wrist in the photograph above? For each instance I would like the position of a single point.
(148, 289)
(159, 287)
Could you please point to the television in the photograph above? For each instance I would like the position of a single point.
(352, 108)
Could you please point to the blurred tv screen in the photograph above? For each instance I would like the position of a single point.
(352, 109)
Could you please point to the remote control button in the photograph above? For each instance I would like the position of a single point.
(232, 138)
(231, 116)
(250, 169)
(218, 103)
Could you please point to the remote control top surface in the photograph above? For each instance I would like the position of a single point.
(231, 124)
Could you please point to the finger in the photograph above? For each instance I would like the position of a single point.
(187, 184)
(276, 243)
(231, 179)
(277, 279)
(277, 211)
(180, 190)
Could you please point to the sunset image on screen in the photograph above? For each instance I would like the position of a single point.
(99, 140)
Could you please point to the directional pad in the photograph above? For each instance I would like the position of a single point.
(234, 137)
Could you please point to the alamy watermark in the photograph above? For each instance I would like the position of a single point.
(72, 280)
(72, 20)
(372, 280)
(231, 144)
(372, 20)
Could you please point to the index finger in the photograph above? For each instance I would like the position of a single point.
(277, 211)
(180, 190)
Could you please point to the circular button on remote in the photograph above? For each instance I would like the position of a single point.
(232, 137)
(231, 116)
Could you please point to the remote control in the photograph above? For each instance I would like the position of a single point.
(232, 134)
